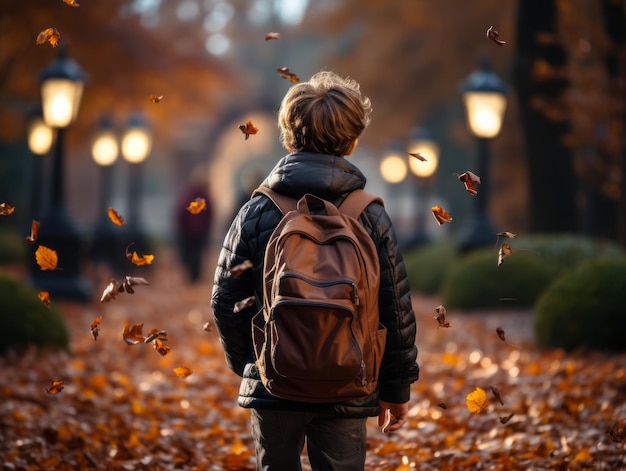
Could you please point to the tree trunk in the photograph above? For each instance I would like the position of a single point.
(544, 117)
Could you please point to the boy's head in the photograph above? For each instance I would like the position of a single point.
(325, 115)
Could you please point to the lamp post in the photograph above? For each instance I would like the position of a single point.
(104, 151)
(40, 139)
(136, 146)
(484, 98)
(422, 143)
(61, 91)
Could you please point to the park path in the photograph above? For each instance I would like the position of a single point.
(124, 408)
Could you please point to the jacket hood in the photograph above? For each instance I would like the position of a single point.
(327, 176)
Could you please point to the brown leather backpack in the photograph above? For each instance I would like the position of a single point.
(318, 336)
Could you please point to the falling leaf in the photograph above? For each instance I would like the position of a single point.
(160, 347)
(243, 304)
(141, 260)
(110, 291)
(272, 35)
(197, 205)
(500, 332)
(207, 327)
(72, 3)
(44, 296)
(240, 269)
(470, 180)
(441, 317)
(182, 371)
(133, 336)
(496, 393)
(418, 156)
(285, 73)
(156, 98)
(55, 388)
(507, 234)
(6, 209)
(504, 252)
(505, 419)
(442, 405)
(116, 218)
(131, 281)
(47, 259)
(441, 215)
(248, 129)
(494, 35)
(95, 330)
(34, 232)
(155, 334)
(50, 35)
(476, 401)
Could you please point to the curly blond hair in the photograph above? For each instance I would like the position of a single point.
(324, 115)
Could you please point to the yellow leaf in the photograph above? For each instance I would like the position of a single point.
(47, 259)
(141, 260)
(45, 297)
(476, 401)
(199, 204)
(116, 218)
(182, 371)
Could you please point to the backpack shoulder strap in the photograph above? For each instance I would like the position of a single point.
(283, 202)
(356, 202)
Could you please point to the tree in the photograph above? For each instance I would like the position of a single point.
(541, 83)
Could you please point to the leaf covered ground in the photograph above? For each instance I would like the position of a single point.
(127, 407)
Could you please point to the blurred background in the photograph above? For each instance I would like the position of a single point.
(549, 142)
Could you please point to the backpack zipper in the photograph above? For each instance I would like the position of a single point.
(354, 294)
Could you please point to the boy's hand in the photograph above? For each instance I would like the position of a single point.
(392, 416)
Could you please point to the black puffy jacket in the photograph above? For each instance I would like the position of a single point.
(331, 178)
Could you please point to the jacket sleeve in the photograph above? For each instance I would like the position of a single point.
(399, 366)
(245, 240)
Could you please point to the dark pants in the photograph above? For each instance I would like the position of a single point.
(333, 443)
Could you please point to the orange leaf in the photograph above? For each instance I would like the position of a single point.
(110, 291)
(71, 3)
(6, 209)
(470, 181)
(476, 401)
(182, 371)
(95, 330)
(505, 251)
(47, 259)
(160, 347)
(50, 35)
(45, 297)
(441, 215)
(272, 35)
(133, 335)
(156, 98)
(141, 260)
(441, 317)
(248, 129)
(116, 218)
(197, 205)
(285, 73)
(55, 388)
(34, 232)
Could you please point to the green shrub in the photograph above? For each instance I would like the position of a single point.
(564, 251)
(24, 319)
(585, 307)
(427, 266)
(13, 248)
(476, 281)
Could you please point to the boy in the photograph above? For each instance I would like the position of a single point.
(320, 122)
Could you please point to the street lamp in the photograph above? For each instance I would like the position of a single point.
(485, 100)
(40, 139)
(421, 142)
(136, 146)
(393, 167)
(105, 150)
(61, 91)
